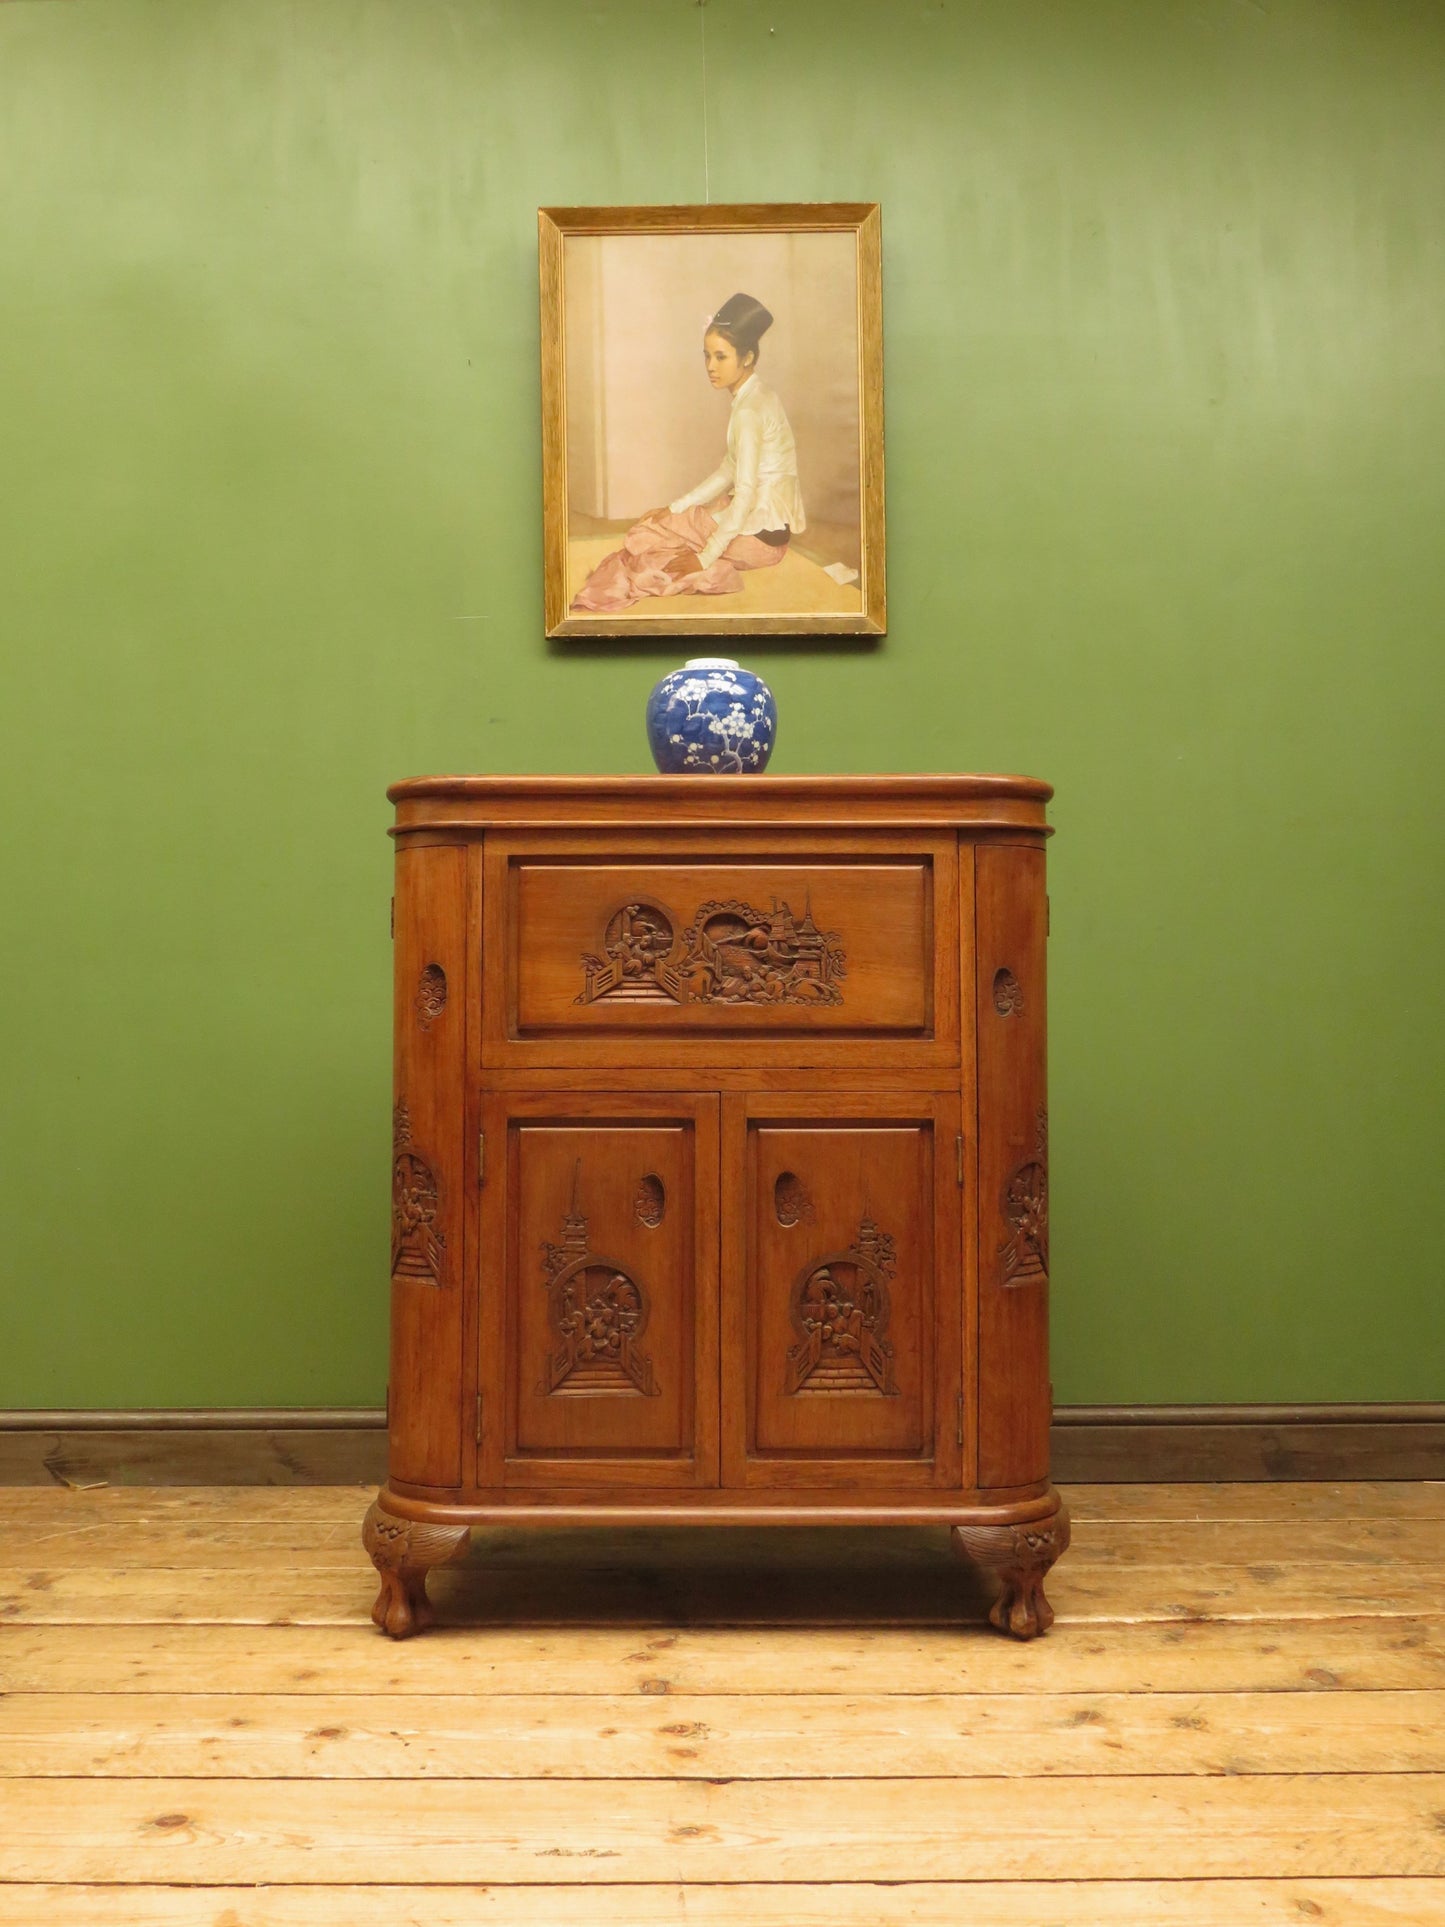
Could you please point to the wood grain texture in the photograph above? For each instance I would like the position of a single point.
(1310, 1443)
(1194, 1656)
(749, 1736)
(1014, 1397)
(996, 804)
(991, 1903)
(654, 1594)
(1272, 1754)
(1145, 1827)
(136, 1454)
(152, 1540)
(429, 1269)
(1149, 1771)
(1287, 1504)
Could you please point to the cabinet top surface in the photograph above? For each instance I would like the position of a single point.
(422, 800)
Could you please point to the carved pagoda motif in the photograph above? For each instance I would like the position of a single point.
(417, 1247)
(597, 1311)
(1025, 1253)
(731, 953)
(840, 1309)
(735, 954)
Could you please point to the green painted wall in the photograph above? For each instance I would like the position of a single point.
(1166, 463)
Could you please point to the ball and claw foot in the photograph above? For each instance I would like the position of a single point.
(1021, 1556)
(403, 1551)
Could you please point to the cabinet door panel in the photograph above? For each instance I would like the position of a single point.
(598, 1288)
(841, 1290)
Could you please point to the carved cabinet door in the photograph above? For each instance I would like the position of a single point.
(841, 1289)
(598, 1290)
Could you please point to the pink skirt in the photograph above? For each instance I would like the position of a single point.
(638, 568)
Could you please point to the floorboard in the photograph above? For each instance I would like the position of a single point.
(1238, 1718)
(1071, 1903)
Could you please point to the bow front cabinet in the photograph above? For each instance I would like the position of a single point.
(720, 1164)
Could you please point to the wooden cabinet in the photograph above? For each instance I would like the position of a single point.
(719, 1164)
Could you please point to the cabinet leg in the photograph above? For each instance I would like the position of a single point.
(1021, 1556)
(403, 1551)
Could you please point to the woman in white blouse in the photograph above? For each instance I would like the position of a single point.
(739, 517)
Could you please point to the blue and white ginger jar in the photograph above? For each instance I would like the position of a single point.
(711, 718)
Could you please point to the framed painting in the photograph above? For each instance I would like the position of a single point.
(712, 420)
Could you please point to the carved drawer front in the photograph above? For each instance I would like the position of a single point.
(841, 1287)
(832, 946)
(598, 1270)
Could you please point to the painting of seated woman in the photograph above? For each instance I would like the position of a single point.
(704, 386)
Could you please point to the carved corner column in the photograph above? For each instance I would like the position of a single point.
(1021, 1555)
(1013, 1178)
(403, 1552)
(427, 1262)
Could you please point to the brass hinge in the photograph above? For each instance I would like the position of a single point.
(481, 1157)
(958, 1147)
(960, 1418)
(477, 1433)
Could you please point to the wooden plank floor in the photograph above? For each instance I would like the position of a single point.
(1238, 1718)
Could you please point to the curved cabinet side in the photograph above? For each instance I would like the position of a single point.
(1013, 1285)
(427, 1230)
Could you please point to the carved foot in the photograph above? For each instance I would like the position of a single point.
(1021, 1556)
(403, 1550)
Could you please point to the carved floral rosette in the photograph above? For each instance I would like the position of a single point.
(840, 1307)
(431, 995)
(1008, 996)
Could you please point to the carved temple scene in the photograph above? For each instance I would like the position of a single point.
(597, 1311)
(731, 953)
(840, 1310)
(417, 1246)
(636, 946)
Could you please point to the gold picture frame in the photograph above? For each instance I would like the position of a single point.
(652, 318)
